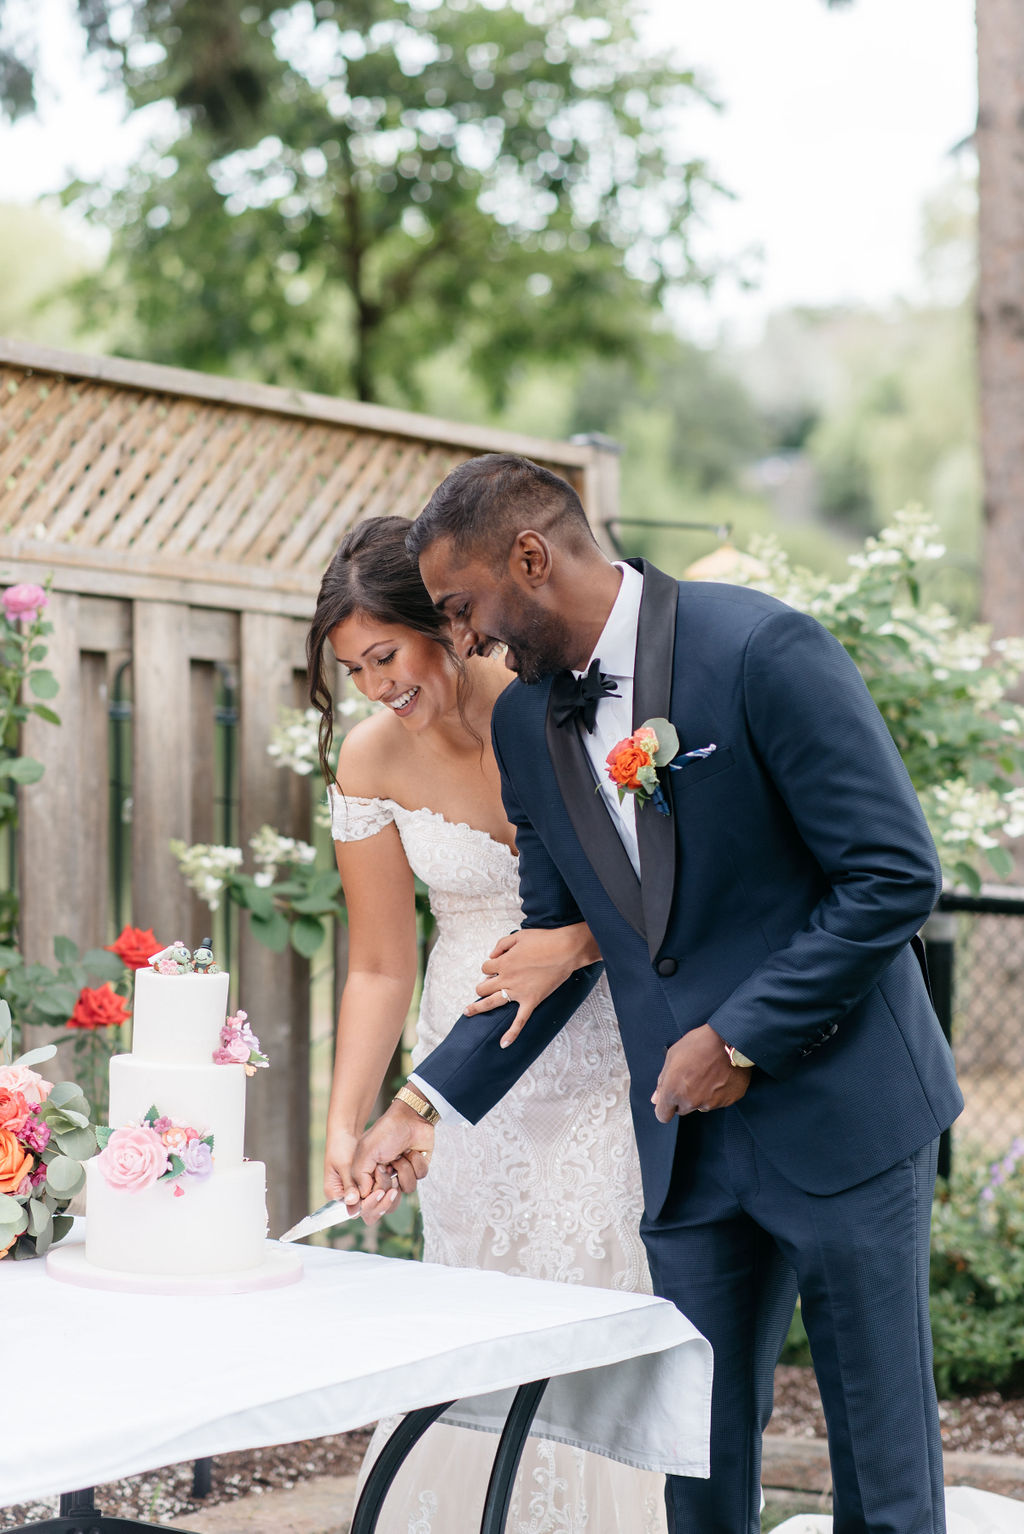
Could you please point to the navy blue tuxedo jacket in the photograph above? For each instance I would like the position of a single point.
(777, 901)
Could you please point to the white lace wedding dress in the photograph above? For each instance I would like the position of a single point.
(546, 1185)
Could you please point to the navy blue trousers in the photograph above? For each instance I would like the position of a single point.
(731, 1248)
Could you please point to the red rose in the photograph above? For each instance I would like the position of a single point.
(99, 1008)
(134, 947)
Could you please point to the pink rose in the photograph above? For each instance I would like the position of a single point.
(15, 1110)
(233, 1052)
(19, 1078)
(133, 1158)
(24, 601)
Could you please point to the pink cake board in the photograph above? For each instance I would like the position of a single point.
(280, 1266)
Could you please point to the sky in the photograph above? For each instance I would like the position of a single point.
(836, 126)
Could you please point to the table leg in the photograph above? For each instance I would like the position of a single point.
(388, 1462)
(510, 1451)
(79, 1515)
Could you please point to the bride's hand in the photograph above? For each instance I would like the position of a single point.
(340, 1183)
(528, 965)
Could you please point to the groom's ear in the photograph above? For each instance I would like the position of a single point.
(530, 560)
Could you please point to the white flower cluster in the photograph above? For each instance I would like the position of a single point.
(207, 868)
(911, 538)
(295, 739)
(964, 818)
(270, 849)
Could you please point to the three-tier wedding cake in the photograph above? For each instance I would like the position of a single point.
(171, 1202)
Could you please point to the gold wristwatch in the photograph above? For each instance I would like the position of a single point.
(418, 1103)
(736, 1058)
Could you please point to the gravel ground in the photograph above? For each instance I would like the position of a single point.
(984, 1424)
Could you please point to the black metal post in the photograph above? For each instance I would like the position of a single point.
(510, 1452)
(939, 946)
(387, 1464)
(201, 1477)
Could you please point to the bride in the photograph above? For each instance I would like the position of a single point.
(548, 1184)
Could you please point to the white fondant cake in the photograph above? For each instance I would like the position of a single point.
(204, 1221)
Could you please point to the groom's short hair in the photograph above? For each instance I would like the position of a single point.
(482, 504)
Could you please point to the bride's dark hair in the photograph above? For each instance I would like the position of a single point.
(372, 573)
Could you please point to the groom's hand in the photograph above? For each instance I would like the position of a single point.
(698, 1076)
(401, 1140)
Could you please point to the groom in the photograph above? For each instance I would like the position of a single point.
(789, 1078)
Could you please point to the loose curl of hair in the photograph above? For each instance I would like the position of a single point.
(374, 574)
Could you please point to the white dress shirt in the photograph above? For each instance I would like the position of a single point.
(616, 651)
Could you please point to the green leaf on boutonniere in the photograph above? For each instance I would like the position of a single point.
(668, 740)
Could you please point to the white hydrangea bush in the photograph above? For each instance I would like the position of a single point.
(943, 686)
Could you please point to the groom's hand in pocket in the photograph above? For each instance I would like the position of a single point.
(698, 1076)
(528, 965)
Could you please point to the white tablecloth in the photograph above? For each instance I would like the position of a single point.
(101, 1385)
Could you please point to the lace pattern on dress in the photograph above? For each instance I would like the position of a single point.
(354, 819)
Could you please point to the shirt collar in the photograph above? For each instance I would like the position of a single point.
(616, 648)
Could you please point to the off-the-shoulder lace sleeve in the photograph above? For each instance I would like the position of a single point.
(354, 819)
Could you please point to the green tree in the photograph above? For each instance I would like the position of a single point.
(354, 183)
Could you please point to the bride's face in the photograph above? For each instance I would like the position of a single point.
(407, 672)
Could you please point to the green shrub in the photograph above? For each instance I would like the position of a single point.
(977, 1273)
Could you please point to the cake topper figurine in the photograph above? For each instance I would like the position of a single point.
(176, 960)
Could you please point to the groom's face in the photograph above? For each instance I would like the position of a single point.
(485, 606)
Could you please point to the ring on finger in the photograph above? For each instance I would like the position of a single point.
(505, 994)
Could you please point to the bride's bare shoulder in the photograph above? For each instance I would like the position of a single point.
(367, 757)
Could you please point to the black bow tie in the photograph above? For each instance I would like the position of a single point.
(573, 696)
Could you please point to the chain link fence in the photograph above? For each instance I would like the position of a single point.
(975, 950)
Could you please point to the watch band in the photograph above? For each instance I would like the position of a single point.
(413, 1099)
(736, 1058)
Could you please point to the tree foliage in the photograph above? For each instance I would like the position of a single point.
(352, 184)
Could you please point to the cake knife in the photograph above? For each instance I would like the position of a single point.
(334, 1212)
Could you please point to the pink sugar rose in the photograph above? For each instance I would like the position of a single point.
(167, 967)
(15, 1110)
(133, 1158)
(19, 1078)
(233, 1052)
(23, 601)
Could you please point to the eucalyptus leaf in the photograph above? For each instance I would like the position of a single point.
(62, 1224)
(10, 1210)
(668, 740)
(79, 1144)
(64, 1176)
(44, 1238)
(38, 1216)
(64, 1093)
(34, 1056)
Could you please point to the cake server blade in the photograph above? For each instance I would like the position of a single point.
(334, 1212)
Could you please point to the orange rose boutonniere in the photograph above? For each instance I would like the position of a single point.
(633, 764)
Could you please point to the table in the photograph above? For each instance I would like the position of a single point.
(138, 1381)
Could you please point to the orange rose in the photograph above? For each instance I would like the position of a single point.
(15, 1110)
(15, 1161)
(134, 947)
(625, 760)
(98, 1008)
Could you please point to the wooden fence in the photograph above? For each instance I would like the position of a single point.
(185, 521)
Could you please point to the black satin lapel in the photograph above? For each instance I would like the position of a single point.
(591, 821)
(652, 699)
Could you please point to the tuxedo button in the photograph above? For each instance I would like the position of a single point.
(666, 967)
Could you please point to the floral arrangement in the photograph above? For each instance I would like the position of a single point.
(634, 762)
(239, 1045)
(45, 1135)
(943, 687)
(159, 1149)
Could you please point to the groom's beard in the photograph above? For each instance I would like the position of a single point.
(539, 642)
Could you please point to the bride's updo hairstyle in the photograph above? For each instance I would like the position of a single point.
(372, 573)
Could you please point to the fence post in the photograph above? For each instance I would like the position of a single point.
(939, 935)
